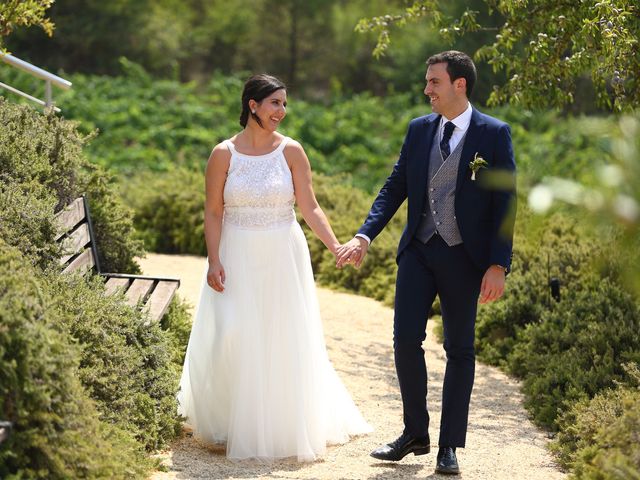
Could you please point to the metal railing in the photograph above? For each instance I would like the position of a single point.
(49, 78)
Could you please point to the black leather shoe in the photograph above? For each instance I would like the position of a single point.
(447, 461)
(401, 447)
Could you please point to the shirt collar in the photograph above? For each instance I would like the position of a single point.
(462, 121)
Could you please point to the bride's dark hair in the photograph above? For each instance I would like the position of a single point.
(258, 88)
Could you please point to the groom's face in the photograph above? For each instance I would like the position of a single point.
(440, 89)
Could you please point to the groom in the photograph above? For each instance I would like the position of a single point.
(457, 170)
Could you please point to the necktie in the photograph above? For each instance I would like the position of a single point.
(449, 127)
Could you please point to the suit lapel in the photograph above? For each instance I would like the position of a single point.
(425, 141)
(470, 147)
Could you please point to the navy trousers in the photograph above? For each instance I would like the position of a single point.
(424, 271)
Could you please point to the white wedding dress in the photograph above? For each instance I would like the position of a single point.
(256, 374)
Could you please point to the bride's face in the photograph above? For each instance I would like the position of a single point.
(272, 110)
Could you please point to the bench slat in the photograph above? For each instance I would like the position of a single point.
(134, 275)
(75, 242)
(83, 262)
(160, 299)
(157, 292)
(114, 283)
(71, 215)
(138, 290)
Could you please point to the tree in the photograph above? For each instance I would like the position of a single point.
(290, 39)
(92, 35)
(544, 47)
(24, 13)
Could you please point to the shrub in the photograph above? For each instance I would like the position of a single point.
(176, 324)
(347, 207)
(548, 143)
(154, 124)
(42, 168)
(112, 224)
(543, 248)
(169, 210)
(26, 221)
(577, 348)
(126, 366)
(600, 438)
(57, 433)
(42, 149)
(171, 124)
(122, 373)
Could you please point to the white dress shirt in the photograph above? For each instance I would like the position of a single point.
(461, 122)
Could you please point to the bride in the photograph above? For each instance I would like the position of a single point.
(256, 374)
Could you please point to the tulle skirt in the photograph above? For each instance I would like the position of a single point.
(256, 374)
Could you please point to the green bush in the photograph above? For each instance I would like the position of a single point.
(547, 143)
(566, 351)
(146, 123)
(169, 210)
(347, 207)
(600, 438)
(126, 366)
(123, 373)
(26, 220)
(176, 324)
(58, 433)
(42, 168)
(157, 125)
(543, 248)
(577, 347)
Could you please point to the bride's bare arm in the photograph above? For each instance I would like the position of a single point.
(215, 178)
(305, 197)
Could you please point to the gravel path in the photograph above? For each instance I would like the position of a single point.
(501, 443)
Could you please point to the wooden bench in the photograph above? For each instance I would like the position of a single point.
(75, 233)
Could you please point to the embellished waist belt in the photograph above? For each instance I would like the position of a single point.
(259, 218)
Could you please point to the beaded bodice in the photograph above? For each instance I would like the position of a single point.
(258, 193)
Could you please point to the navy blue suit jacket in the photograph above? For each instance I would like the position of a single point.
(485, 213)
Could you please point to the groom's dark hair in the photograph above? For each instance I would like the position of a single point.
(459, 65)
(258, 88)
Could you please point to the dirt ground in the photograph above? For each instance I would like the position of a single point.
(501, 443)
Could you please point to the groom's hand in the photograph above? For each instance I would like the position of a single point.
(492, 286)
(353, 252)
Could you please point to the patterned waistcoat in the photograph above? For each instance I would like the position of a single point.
(438, 217)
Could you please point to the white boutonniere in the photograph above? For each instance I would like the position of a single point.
(476, 164)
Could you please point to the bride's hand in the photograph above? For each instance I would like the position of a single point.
(216, 276)
(337, 251)
(352, 252)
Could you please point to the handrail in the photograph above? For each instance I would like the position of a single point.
(49, 78)
(36, 71)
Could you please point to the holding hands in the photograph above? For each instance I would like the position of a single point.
(352, 252)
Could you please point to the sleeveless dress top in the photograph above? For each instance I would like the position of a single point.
(259, 189)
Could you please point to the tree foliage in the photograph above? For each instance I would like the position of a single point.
(311, 45)
(544, 47)
(24, 13)
(611, 197)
